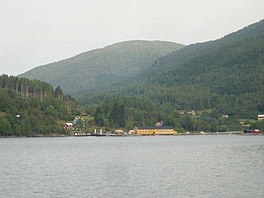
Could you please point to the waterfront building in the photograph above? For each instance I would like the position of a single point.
(261, 117)
(68, 126)
(155, 130)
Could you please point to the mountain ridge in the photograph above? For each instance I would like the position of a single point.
(102, 67)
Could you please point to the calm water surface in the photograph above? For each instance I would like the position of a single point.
(180, 166)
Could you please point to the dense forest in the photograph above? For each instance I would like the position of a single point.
(32, 108)
(217, 79)
(127, 113)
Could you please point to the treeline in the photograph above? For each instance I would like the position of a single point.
(196, 97)
(130, 112)
(32, 108)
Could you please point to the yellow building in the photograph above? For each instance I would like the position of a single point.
(156, 130)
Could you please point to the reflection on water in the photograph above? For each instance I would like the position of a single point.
(180, 166)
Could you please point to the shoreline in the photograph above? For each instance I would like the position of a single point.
(179, 134)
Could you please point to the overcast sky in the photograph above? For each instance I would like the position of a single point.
(37, 32)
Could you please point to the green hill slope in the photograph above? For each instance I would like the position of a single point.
(102, 67)
(32, 108)
(225, 76)
(231, 65)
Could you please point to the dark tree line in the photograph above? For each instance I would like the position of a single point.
(130, 112)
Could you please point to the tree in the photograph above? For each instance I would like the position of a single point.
(117, 115)
(59, 93)
(5, 128)
(98, 117)
(258, 125)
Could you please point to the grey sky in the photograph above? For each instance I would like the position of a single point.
(36, 32)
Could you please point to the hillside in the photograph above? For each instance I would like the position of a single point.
(32, 108)
(229, 72)
(222, 77)
(102, 67)
(231, 65)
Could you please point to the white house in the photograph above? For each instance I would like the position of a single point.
(68, 126)
(261, 117)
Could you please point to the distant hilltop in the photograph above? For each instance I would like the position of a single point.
(102, 67)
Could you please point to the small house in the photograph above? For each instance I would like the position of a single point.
(261, 117)
(68, 126)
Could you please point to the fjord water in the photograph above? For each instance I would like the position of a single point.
(178, 166)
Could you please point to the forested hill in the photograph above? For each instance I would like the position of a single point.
(32, 108)
(223, 76)
(231, 65)
(226, 74)
(102, 67)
